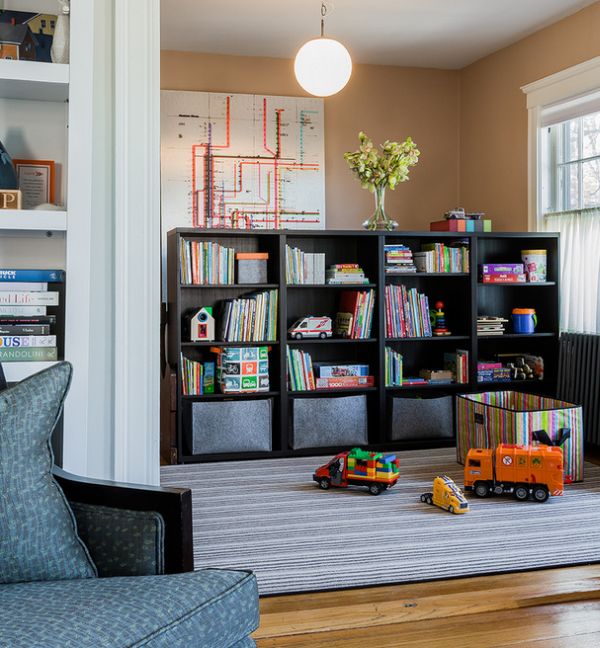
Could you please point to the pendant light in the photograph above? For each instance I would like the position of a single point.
(323, 65)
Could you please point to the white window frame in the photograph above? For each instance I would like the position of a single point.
(573, 84)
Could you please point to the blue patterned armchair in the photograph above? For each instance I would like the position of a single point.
(122, 576)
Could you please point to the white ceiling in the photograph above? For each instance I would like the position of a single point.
(422, 33)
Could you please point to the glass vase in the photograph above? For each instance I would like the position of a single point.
(8, 177)
(379, 220)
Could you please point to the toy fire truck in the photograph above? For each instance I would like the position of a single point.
(522, 471)
(374, 470)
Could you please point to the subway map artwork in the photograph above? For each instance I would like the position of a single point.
(241, 161)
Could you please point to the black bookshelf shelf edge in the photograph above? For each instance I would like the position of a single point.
(428, 339)
(501, 385)
(347, 286)
(332, 341)
(522, 284)
(229, 286)
(441, 386)
(221, 343)
(233, 396)
(449, 275)
(329, 392)
(516, 336)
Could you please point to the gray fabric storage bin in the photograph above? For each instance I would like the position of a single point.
(321, 422)
(422, 418)
(229, 426)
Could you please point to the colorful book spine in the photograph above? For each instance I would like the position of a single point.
(345, 382)
(44, 276)
(393, 368)
(16, 341)
(501, 268)
(206, 263)
(407, 312)
(337, 370)
(503, 278)
(28, 354)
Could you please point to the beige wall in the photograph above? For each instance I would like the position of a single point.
(385, 102)
(493, 124)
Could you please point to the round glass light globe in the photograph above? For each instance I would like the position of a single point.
(323, 66)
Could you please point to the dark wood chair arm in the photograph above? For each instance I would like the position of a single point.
(174, 504)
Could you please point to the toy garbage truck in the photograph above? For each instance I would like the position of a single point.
(522, 471)
(375, 470)
(447, 495)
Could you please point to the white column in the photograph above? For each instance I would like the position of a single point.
(137, 241)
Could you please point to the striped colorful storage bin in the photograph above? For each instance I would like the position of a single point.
(485, 420)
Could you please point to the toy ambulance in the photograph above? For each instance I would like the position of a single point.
(311, 327)
(376, 471)
(447, 495)
(515, 469)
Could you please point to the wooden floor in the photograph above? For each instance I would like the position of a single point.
(553, 608)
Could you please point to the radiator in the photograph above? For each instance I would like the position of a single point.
(579, 378)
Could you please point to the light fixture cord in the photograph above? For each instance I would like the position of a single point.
(323, 14)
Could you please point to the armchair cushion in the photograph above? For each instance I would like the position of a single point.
(204, 609)
(122, 542)
(38, 538)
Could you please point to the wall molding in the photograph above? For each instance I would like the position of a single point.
(137, 241)
(568, 84)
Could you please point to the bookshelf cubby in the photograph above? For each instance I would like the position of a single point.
(463, 296)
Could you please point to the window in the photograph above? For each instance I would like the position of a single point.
(571, 156)
(475, 463)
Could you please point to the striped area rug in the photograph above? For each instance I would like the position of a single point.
(269, 516)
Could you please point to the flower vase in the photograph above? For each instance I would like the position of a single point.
(379, 220)
(8, 177)
(59, 51)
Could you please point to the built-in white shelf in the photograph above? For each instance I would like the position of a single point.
(34, 81)
(17, 371)
(33, 220)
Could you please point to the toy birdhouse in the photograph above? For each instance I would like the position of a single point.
(202, 325)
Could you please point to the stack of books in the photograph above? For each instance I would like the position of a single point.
(346, 273)
(492, 372)
(491, 325)
(407, 313)
(206, 263)
(439, 257)
(197, 378)
(300, 371)
(399, 260)
(304, 267)
(499, 273)
(250, 318)
(355, 315)
(458, 364)
(393, 368)
(26, 330)
(457, 220)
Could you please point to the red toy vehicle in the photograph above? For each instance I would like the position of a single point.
(376, 471)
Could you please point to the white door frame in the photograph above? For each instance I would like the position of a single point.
(137, 241)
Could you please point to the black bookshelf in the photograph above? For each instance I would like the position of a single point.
(464, 298)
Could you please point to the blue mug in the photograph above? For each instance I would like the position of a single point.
(524, 320)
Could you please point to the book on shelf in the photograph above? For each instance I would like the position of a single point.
(503, 278)
(27, 298)
(304, 267)
(301, 374)
(29, 276)
(249, 318)
(355, 314)
(399, 259)
(300, 370)
(345, 273)
(22, 311)
(206, 263)
(501, 268)
(441, 257)
(28, 354)
(407, 312)
(461, 225)
(197, 378)
(393, 368)
(409, 381)
(20, 286)
(490, 325)
(458, 364)
(23, 341)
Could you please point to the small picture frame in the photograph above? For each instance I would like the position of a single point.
(37, 182)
